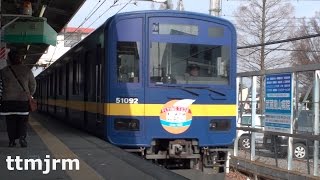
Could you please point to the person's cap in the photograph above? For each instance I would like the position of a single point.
(194, 66)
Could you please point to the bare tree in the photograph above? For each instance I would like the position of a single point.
(263, 21)
(306, 51)
(259, 22)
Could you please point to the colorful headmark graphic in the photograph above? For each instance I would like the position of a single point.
(175, 116)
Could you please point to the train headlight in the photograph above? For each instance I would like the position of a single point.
(219, 124)
(126, 124)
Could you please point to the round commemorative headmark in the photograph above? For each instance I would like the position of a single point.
(176, 116)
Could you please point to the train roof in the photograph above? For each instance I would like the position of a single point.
(172, 12)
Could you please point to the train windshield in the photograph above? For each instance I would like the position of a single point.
(177, 63)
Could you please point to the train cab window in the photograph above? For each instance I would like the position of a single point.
(128, 56)
(172, 63)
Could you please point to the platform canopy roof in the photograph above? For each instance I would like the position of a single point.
(57, 13)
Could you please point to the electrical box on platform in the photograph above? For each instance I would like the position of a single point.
(30, 31)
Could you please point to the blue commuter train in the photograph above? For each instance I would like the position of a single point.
(129, 83)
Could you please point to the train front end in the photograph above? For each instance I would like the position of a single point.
(172, 87)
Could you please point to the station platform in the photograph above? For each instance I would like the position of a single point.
(50, 140)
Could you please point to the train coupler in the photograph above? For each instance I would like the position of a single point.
(180, 148)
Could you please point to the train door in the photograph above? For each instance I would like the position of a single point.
(87, 85)
(99, 123)
(43, 93)
(67, 83)
(126, 92)
(55, 91)
(93, 89)
(47, 95)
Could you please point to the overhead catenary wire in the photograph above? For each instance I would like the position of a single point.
(279, 49)
(114, 4)
(91, 13)
(301, 50)
(85, 20)
(280, 41)
(124, 6)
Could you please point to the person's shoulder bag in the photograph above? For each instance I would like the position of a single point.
(32, 102)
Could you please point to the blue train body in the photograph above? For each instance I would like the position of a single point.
(128, 82)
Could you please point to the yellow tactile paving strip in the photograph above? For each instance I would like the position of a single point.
(60, 151)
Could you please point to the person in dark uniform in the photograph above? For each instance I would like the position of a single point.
(14, 103)
(193, 70)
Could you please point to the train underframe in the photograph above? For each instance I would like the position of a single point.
(186, 154)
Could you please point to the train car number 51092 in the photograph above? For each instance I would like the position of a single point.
(127, 100)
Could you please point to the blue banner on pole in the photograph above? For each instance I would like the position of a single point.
(278, 104)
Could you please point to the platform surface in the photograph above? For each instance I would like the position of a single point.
(50, 140)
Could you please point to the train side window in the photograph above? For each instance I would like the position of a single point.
(55, 90)
(74, 78)
(51, 84)
(48, 85)
(128, 56)
(76, 69)
(60, 81)
(90, 72)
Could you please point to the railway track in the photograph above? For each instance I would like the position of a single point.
(265, 166)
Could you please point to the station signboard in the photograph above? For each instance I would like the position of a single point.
(278, 105)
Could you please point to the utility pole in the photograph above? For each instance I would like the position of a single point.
(165, 4)
(180, 6)
(215, 7)
(169, 4)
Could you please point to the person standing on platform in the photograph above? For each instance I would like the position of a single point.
(18, 84)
